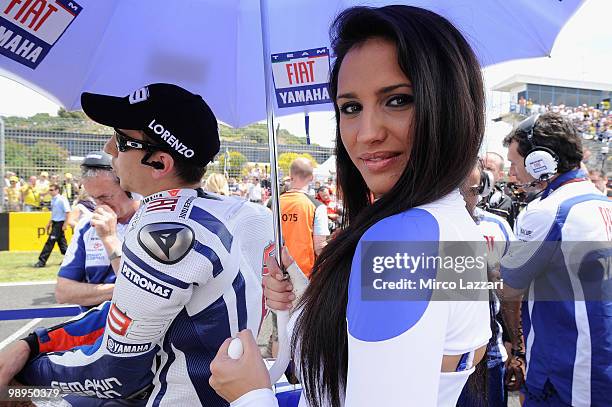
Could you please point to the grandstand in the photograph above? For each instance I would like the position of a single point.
(586, 104)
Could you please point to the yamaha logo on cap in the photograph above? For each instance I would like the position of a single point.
(139, 95)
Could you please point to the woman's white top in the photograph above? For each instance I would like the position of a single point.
(397, 335)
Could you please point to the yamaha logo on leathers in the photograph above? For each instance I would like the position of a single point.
(166, 242)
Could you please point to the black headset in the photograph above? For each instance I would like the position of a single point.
(158, 165)
(486, 183)
(540, 162)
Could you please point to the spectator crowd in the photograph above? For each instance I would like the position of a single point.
(594, 122)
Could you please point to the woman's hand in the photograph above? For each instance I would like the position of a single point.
(233, 378)
(277, 289)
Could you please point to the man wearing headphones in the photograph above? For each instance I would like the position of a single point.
(562, 262)
(86, 276)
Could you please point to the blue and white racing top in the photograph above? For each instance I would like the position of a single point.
(498, 235)
(190, 277)
(396, 347)
(565, 265)
(86, 260)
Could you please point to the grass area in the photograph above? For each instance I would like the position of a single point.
(17, 266)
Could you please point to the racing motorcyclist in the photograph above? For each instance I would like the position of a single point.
(190, 273)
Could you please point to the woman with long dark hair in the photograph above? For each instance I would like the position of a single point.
(408, 95)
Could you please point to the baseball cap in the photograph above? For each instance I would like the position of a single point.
(97, 159)
(44, 174)
(177, 119)
(14, 179)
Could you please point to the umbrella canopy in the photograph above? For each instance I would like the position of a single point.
(213, 47)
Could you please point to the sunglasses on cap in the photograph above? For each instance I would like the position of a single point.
(125, 143)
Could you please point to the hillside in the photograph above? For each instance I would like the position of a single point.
(77, 122)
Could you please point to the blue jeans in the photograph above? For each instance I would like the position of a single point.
(496, 390)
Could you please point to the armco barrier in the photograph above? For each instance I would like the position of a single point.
(25, 231)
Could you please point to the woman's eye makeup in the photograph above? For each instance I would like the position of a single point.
(350, 108)
(401, 100)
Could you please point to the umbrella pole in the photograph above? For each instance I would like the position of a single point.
(265, 39)
(284, 350)
(2, 173)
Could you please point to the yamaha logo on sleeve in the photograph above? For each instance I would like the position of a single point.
(166, 242)
(119, 348)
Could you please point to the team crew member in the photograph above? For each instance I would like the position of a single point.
(497, 202)
(86, 276)
(304, 219)
(60, 208)
(498, 236)
(401, 140)
(567, 322)
(190, 272)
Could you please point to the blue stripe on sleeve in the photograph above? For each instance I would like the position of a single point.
(241, 306)
(210, 255)
(213, 224)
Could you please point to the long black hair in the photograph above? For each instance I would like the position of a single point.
(448, 127)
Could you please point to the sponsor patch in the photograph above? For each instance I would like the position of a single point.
(301, 77)
(186, 207)
(267, 253)
(96, 257)
(145, 283)
(538, 166)
(30, 29)
(151, 197)
(162, 205)
(166, 242)
(118, 322)
(119, 348)
(99, 388)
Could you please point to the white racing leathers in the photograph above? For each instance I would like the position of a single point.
(189, 278)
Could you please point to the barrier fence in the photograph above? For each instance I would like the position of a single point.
(26, 231)
(29, 151)
(57, 146)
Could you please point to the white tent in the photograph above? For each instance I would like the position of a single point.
(327, 169)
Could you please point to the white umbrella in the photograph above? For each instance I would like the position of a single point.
(214, 47)
(218, 48)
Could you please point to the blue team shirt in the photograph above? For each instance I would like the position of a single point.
(569, 342)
